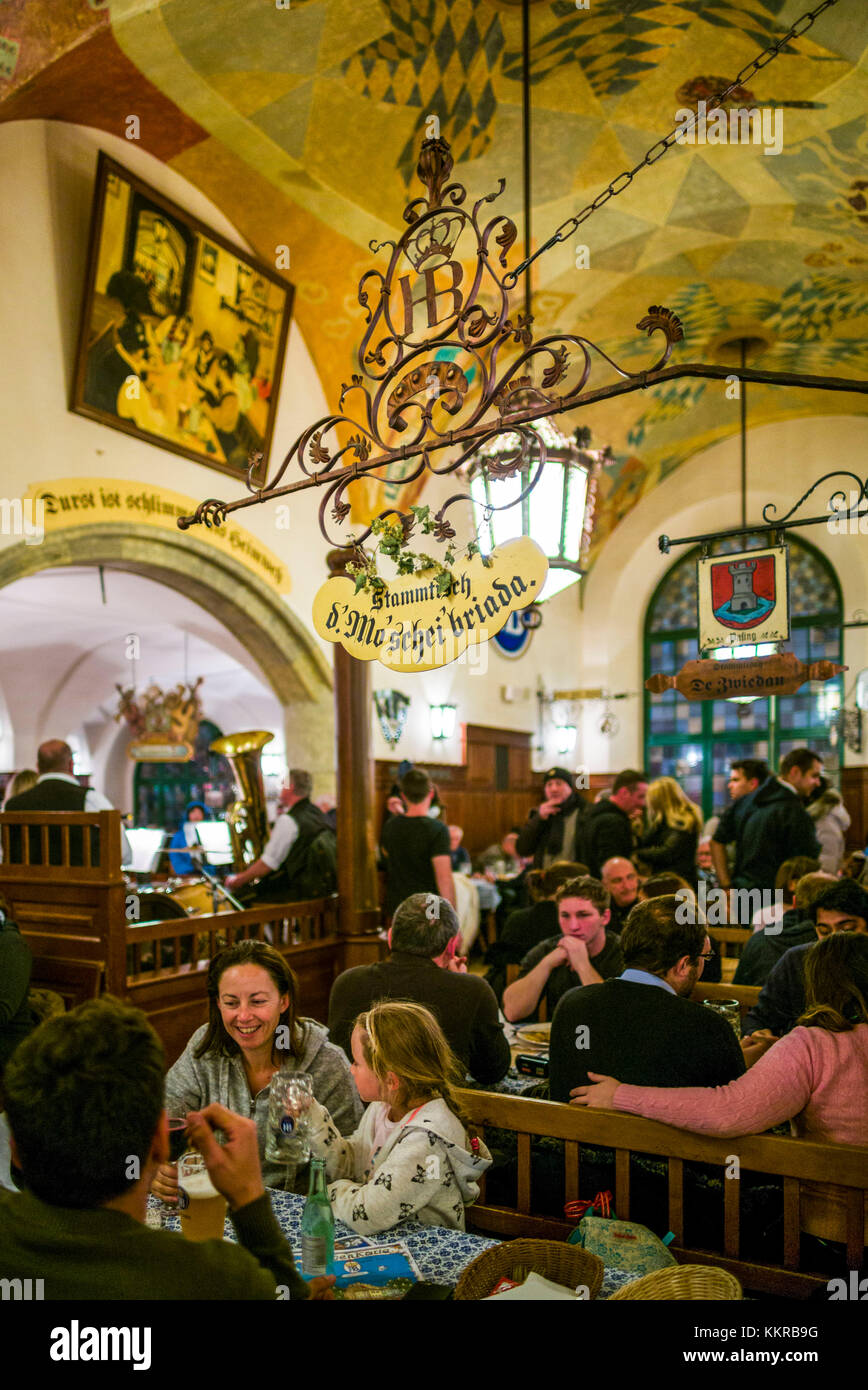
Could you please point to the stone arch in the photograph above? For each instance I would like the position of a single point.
(285, 653)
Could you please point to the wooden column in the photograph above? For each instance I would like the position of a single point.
(358, 909)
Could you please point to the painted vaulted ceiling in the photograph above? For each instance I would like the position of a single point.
(303, 124)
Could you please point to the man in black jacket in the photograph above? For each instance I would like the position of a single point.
(777, 826)
(762, 952)
(843, 907)
(284, 861)
(643, 1024)
(424, 967)
(609, 832)
(556, 829)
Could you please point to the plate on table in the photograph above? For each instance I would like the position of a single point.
(534, 1034)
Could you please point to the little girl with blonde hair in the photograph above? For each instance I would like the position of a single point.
(411, 1156)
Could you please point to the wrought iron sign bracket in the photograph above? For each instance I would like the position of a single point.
(437, 350)
(837, 514)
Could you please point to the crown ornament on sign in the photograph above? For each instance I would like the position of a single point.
(437, 240)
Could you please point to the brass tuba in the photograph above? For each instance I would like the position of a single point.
(247, 819)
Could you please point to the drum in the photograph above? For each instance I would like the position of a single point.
(159, 905)
(195, 898)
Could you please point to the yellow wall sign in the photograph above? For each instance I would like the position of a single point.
(66, 502)
(409, 626)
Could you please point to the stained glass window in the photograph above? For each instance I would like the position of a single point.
(696, 741)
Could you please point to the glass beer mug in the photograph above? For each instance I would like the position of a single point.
(730, 1009)
(289, 1098)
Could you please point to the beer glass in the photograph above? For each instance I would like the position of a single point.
(201, 1207)
(730, 1009)
(289, 1098)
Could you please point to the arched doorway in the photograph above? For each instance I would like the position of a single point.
(695, 742)
(269, 638)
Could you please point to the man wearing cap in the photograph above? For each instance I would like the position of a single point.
(556, 829)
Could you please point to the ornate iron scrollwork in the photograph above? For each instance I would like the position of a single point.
(443, 365)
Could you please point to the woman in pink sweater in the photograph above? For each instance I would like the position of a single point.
(816, 1076)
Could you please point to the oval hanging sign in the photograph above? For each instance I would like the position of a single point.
(409, 626)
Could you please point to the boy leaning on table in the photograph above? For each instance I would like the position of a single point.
(84, 1102)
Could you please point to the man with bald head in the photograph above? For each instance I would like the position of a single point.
(58, 789)
(620, 878)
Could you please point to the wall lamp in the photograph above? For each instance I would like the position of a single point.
(442, 720)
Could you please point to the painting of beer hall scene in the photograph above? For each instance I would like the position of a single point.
(182, 335)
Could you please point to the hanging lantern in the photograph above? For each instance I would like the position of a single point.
(557, 513)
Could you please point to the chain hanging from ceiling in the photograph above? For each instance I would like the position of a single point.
(660, 147)
(449, 353)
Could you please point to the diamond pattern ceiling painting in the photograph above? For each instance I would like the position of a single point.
(303, 125)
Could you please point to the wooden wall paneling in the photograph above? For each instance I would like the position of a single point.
(854, 790)
(468, 791)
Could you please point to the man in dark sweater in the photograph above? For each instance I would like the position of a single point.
(424, 967)
(643, 1023)
(842, 907)
(609, 833)
(84, 1100)
(556, 829)
(584, 953)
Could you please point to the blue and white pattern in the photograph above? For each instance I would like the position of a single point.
(440, 1254)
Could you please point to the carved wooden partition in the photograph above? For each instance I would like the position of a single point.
(825, 1185)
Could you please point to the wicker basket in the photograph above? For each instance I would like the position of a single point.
(683, 1282)
(563, 1264)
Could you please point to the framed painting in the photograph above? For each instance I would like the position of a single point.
(182, 334)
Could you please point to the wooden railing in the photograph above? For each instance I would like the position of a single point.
(284, 927)
(168, 961)
(62, 881)
(824, 1185)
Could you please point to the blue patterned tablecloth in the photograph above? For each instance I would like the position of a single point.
(441, 1254)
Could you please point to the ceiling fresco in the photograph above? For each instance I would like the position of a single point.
(303, 124)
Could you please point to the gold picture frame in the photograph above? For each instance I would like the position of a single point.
(183, 335)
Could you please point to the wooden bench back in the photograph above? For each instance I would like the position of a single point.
(67, 911)
(75, 981)
(824, 1185)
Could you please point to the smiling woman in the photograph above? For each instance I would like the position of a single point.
(254, 1030)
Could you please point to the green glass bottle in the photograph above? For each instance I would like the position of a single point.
(317, 1225)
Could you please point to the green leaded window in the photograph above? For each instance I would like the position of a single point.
(695, 742)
